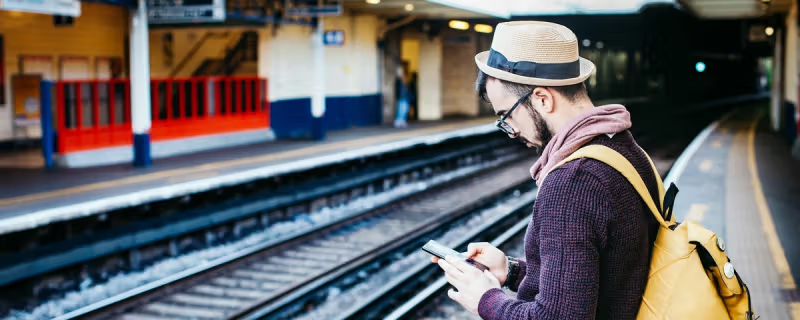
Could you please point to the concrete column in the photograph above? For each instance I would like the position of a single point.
(430, 79)
(140, 85)
(776, 101)
(264, 37)
(791, 80)
(318, 96)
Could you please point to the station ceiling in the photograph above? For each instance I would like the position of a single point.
(736, 9)
(422, 8)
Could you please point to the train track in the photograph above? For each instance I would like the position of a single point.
(235, 285)
(430, 302)
(154, 248)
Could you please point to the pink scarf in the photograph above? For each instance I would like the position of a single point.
(607, 119)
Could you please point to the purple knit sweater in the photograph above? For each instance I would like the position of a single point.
(587, 248)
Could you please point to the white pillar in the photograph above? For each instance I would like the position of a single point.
(140, 85)
(318, 96)
(430, 79)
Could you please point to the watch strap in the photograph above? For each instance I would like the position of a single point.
(513, 272)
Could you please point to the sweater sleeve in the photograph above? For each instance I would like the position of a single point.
(572, 218)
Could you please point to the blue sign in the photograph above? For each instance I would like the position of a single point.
(333, 38)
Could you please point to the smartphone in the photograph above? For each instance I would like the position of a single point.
(441, 251)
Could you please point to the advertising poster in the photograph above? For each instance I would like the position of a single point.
(26, 99)
(2, 73)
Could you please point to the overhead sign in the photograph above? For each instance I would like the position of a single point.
(70, 8)
(185, 11)
(314, 8)
(758, 33)
(333, 38)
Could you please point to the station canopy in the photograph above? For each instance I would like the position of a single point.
(507, 9)
(504, 9)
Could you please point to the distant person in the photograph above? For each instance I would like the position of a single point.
(403, 98)
(414, 102)
(587, 247)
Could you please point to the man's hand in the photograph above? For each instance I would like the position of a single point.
(470, 282)
(489, 256)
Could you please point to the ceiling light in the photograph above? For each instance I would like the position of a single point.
(458, 24)
(409, 7)
(373, 1)
(769, 31)
(700, 66)
(600, 45)
(483, 28)
(587, 42)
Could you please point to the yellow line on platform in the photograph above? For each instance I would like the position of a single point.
(767, 224)
(706, 165)
(697, 212)
(316, 149)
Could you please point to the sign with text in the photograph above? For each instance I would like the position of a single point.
(185, 11)
(333, 37)
(70, 8)
(313, 8)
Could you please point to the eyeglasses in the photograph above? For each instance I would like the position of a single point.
(502, 124)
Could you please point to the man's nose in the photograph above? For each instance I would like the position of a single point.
(514, 134)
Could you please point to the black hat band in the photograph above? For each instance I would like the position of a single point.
(552, 71)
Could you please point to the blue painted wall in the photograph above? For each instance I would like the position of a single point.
(348, 112)
(292, 118)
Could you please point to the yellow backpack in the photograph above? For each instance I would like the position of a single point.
(690, 275)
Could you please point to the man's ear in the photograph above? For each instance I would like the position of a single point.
(543, 98)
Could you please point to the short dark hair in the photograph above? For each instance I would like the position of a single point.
(572, 93)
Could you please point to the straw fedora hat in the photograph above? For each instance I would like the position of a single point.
(535, 53)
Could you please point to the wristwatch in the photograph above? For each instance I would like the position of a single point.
(513, 271)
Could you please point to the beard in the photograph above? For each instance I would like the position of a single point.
(543, 132)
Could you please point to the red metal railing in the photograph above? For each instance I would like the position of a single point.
(181, 108)
(92, 114)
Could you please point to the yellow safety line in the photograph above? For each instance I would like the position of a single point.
(775, 247)
(317, 149)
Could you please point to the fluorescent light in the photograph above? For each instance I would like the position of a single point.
(483, 28)
(409, 7)
(458, 24)
(373, 1)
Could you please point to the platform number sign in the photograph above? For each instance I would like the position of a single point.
(333, 37)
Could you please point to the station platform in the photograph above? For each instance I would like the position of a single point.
(739, 180)
(38, 197)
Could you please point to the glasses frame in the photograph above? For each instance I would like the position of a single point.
(502, 124)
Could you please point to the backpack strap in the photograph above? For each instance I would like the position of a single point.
(618, 162)
(659, 183)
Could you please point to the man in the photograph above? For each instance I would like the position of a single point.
(403, 96)
(587, 247)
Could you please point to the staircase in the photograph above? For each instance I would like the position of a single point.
(242, 59)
